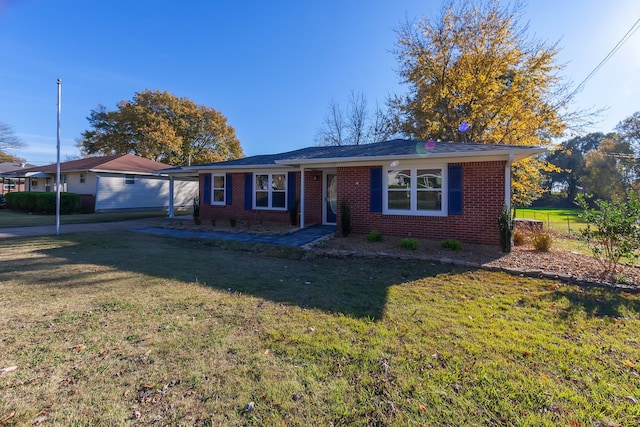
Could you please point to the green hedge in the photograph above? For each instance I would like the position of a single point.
(44, 202)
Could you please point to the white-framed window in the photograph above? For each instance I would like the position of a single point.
(270, 190)
(218, 189)
(129, 179)
(81, 178)
(415, 190)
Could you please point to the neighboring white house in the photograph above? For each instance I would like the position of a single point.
(111, 183)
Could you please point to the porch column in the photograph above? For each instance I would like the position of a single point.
(171, 179)
(301, 197)
(507, 182)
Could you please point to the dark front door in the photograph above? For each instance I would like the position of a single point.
(331, 198)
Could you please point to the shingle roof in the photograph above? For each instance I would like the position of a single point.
(397, 147)
(12, 166)
(123, 163)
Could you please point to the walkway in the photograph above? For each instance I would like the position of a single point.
(297, 238)
(154, 226)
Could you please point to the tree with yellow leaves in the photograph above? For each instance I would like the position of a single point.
(474, 76)
(162, 127)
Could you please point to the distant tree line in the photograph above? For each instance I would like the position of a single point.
(604, 166)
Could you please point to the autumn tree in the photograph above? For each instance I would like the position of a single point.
(610, 169)
(569, 157)
(475, 64)
(161, 127)
(9, 141)
(356, 125)
(629, 130)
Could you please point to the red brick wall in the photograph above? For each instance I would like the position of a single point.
(483, 198)
(313, 202)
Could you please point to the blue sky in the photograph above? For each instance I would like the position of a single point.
(271, 68)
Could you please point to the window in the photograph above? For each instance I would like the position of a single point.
(129, 179)
(217, 190)
(34, 182)
(415, 191)
(81, 178)
(270, 191)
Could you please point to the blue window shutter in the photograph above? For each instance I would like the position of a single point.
(228, 190)
(207, 189)
(455, 189)
(375, 183)
(248, 193)
(291, 189)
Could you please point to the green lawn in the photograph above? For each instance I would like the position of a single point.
(563, 221)
(123, 328)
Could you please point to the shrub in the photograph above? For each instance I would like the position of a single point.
(345, 219)
(506, 224)
(233, 221)
(519, 237)
(541, 240)
(374, 236)
(410, 243)
(293, 212)
(613, 229)
(451, 244)
(44, 202)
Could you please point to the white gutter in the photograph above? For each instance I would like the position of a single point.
(516, 154)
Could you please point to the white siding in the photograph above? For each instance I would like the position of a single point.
(75, 186)
(146, 192)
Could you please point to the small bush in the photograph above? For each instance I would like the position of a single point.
(345, 219)
(519, 237)
(451, 244)
(374, 236)
(541, 240)
(293, 212)
(233, 222)
(410, 243)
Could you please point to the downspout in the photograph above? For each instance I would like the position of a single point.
(507, 182)
(301, 197)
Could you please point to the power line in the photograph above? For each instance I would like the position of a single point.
(617, 47)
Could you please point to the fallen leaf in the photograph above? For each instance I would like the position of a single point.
(628, 363)
(422, 408)
(78, 347)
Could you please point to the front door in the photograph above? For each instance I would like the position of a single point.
(331, 197)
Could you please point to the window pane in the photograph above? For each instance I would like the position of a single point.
(429, 200)
(262, 182)
(278, 199)
(218, 195)
(279, 182)
(218, 181)
(399, 200)
(399, 179)
(262, 199)
(429, 178)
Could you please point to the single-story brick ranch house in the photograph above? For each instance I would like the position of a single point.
(113, 183)
(399, 187)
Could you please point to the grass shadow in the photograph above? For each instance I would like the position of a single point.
(594, 301)
(355, 287)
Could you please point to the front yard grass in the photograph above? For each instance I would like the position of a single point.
(121, 328)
